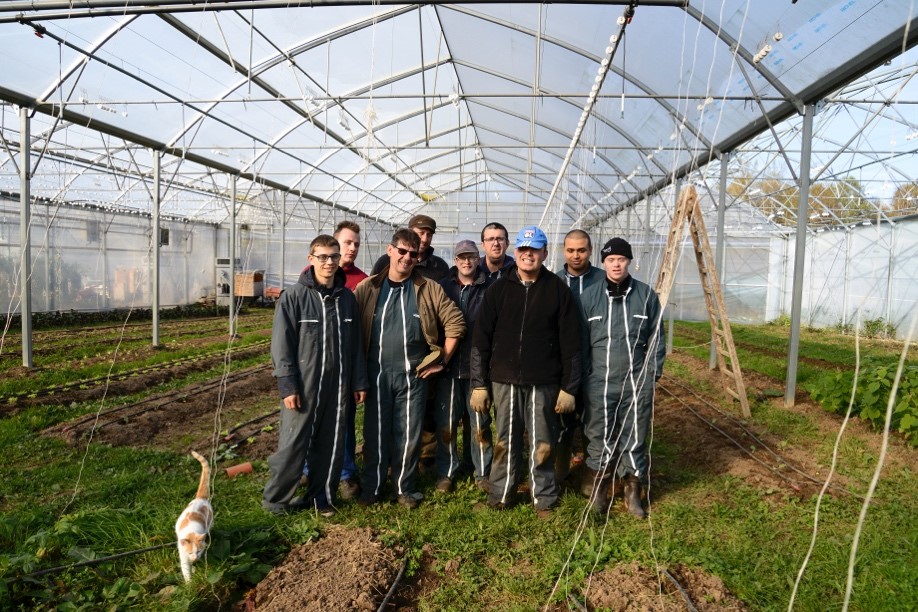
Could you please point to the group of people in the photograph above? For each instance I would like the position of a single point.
(520, 357)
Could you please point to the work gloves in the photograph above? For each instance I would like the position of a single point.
(565, 402)
(480, 400)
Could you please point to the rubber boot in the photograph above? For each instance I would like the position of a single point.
(599, 500)
(633, 497)
(587, 480)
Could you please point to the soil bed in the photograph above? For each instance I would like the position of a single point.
(632, 588)
(345, 569)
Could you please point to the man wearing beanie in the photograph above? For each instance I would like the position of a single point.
(526, 351)
(626, 352)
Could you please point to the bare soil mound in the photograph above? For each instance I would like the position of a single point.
(345, 569)
(632, 588)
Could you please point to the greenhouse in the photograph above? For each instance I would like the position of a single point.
(155, 152)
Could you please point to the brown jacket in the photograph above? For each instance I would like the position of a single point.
(440, 317)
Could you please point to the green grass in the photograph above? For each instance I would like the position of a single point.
(752, 537)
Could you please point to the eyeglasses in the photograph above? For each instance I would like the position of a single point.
(335, 257)
(495, 239)
(468, 257)
(402, 252)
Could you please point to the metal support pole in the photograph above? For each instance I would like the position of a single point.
(283, 242)
(154, 306)
(25, 241)
(232, 258)
(889, 271)
(847, 267)
(793, 348)
(646, 261)
(720, 247)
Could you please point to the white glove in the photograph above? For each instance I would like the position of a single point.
(565, 402)
(480, 400)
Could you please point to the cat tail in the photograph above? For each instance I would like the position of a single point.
(204, 485)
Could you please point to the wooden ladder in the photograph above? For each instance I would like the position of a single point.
(688, 210)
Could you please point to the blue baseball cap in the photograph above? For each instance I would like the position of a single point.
(532, 237)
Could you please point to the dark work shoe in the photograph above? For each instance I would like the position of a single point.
(366, 501)
(326, 511)
(407, 501)
(483, 484)
(444, 484)
(544, 513)
(349, 489)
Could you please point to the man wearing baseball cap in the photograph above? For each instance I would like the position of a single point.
(626, 352)
(465, 285)
(526, 351)
(428, 265)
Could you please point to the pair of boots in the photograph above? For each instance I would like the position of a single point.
(596, 488)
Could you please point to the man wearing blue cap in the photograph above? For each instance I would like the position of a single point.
(526, 350)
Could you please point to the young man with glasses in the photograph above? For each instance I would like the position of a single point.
(348, 236)
(526, 350)
(495, 241)
(320, 367)
(404, 316)
(465, 286)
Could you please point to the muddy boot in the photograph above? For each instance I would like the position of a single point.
(587, 481)
(633, 497)
(599, 498)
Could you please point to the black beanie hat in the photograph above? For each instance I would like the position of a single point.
(616, 246)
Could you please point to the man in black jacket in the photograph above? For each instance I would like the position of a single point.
(526, 346)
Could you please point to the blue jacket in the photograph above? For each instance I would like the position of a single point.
(468, 298)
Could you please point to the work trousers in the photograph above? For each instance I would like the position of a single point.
(616, 426)
(392, 421)
(530, 408)
(453, 395)
(308, 435)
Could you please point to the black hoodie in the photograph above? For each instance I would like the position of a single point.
(527, 335)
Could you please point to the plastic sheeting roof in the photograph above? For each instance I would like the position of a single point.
(380, 109)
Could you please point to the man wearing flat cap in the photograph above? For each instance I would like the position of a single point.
(429, 265)
(626, 354)
(526, 351)
(465, 286)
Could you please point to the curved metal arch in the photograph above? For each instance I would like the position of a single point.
(596, 116)
(744, 53)
(221, 54)
(670, 109)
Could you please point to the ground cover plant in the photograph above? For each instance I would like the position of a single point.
(732, 502)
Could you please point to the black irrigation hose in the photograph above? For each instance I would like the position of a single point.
(795, 484)
(127, 373)
(63, 348)
(210, 386)
(398, 578)
(754, 437)
(683, 592)
(165, 397)
(576, 603)
(262, 417)
(60, 568)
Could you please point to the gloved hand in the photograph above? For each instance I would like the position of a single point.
(565, 402)
(480, 400)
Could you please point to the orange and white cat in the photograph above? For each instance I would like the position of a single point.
(193, 524)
